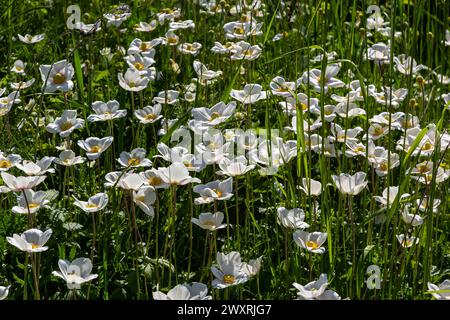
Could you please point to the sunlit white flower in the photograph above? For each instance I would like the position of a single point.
(18, 184)
(19, 67)
(190, 48)
(75, 273)
(350, 184)
(203, 73)
(292, 218)
(379, 52)
(94, 146)
(65, 124)
(210, 221)
(57, 77)
(340, 134)
(214, 115)
(133, 81)
(441, 291)
(167, 97)
(131, 181)
(234, 167)
(106, 111)
(244, 50)
(171, 39)
(6, 103)
(88, 28)
(94, 204)
(116, 19)
(134, 159)
(310, 241)
(29, 39)
(250, 94)
(314, 78)
(312, 290)
(32, 240)
(67, 158)
(168, 14)
(146, 27)
(224, 49)
(176, 174)
(406, 241)
(30, 202)
(186, 24)
(145, 197)
(21, 85)
(149, 114)
(389, 196)
(311, 187)
(253, 267)
(407, 65)
(215, 190)
(424, 204)
(390, 97)
(9, 161)
(281, 87)
(348, 110)
(145, 48)
(151, 178)
(411, 219)
(196, 291)
(4, 292)
(229, 270)
(39, 168)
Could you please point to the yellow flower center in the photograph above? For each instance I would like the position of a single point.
(167, 11)
(150, 116)
(139, 66)
(427, 146)
(188, 165)
(239, 30)
(19, 68)
(189, 47)
(154, 181)
(132, 84)
(215, 115)
(383, 166)
(282, 89)
(378, 130)
(208, 223)
(312, 245)
(360, 149)
(423, 168)
(406, 243)
(285, 34)
(35, 246)
(140, 198)
(172, 40)
(33, 205)
(91, 205)
(134, 162)
(59, 78)
(65, 126)
(4, 101)
(5, 164)
(67, 161)
(218, 192)
(95, 149)
(144, 46)
(228, 279)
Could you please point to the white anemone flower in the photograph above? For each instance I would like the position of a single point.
(176, 174)
(9, 161)
(350, 184)
(190, 48)
(151, 178)
(6, 103)
(29, 39)
(215, 190)
(229, 270)
(19, 67)
(234, 167)
(94, 146)
(311, 187)
(280, 87)
(39, 168)
(314, 78)
(411, 219)
(196, 291)
(244, 50)
(441, 291)
(4, 292)
(19, 184)
(131, 181)
(57, 77)
(292, 218)
(391, 193)
(166, 97)
(29, 202)
(253, 267)
(31, 241)
(310, 241)
(407, 241)
(203, 73)
(94, 204)
(68, 158)
(215, 115)
(316, 290)
(134, 159)
(145, 48)
(210, 221)
(250, 94)
(145, 197)
(75, 273)
(133, 81)
(149, 114)
(65, 124)
(106, 111)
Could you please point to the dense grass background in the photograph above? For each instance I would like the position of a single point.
(331, 25)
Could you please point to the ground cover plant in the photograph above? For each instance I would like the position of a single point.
(224, 149)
